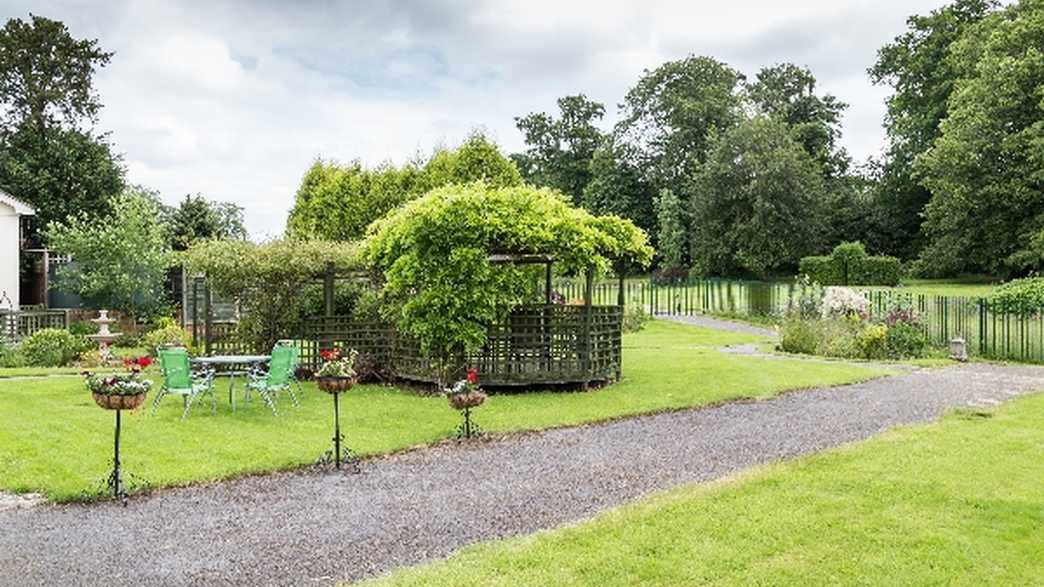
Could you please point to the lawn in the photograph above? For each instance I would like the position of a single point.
(955, 502)
(55, 441)
(971, 287)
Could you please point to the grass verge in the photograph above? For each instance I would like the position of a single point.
(55, 441)
(955, 502)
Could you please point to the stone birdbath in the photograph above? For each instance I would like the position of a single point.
(104, 338)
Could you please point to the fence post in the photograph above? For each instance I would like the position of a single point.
(209, 317)
(195, 312)
(982, 327)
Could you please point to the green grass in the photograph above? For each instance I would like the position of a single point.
(957, 502)
(55, 441)
(975, 286)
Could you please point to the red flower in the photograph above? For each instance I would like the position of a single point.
(128, 362)
(144, 361)
(472, 376)
(329, 354)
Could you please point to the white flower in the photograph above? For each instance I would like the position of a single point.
(843, 301)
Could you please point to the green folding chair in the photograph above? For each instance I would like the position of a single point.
(178, 379)
(278, 377)
(293, 370)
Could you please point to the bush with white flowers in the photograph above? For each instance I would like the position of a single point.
(843, 302)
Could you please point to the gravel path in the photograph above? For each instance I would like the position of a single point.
(316, 528)
(720, 324)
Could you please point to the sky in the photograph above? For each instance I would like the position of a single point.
(235, 100)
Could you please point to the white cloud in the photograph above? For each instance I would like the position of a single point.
(235, 99)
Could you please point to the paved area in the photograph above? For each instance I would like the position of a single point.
(318, 528)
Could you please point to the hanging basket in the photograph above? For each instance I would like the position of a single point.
(113, 401)
(335, 384)
(469, 399)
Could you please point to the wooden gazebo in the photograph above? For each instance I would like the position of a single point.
(543, 343)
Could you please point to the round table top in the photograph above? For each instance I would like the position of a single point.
(232, 359)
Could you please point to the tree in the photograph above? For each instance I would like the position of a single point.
(756, 203)
(986, 169)
(673, 224)
(49, 157)
(559, 152)
(197, 218)
(440, 285)
(917, 66)
(618, 186)
(119, 262)
(787, 93)
(339, 202)
(670, 115)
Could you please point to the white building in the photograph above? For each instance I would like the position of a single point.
(11, 211)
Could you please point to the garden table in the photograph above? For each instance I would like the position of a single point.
(251, 361)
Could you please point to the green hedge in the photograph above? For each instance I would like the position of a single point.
(849, 264)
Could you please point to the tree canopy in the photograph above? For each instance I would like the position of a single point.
(49, 155)
(434, 252)
(195, 218)
(338, 202)
(119, 262)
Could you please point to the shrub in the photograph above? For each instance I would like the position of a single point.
(166, 336)
(11, 357)
(1024, 297)
(800, 336)
(91, 359)
(83, 327)
(872, 341)
(839, 302)
(53, 347)
(876, 271)
(127, 340)
(906, 341)
(634, 317)
(849, 264)
(670, 275)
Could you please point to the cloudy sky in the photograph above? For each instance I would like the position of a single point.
(235, 99)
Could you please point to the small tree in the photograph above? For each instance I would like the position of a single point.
(120, 261)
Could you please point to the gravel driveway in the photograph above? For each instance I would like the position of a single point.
(316, 528)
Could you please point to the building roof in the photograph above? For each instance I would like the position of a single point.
(19, 206)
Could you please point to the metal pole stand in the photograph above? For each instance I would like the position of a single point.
(468, 429)
(115, 481)
(335, 454)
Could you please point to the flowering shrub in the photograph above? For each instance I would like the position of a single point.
(466, 385)
(337, 365)
(902, 315)
(844, 302)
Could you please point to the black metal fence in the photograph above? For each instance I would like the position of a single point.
(989, 333)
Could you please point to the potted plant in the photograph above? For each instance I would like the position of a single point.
(120, 391)
(338, 372)
(463, 396)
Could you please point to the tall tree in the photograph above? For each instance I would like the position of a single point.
(49, 156)
(195, 218)
(119, 263)
(986, 169)
(619, 187)
(559, 151)
(673, 110)
(918, 68)
(756, 203)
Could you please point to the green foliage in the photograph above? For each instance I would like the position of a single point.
(559, 152)
(197, 218)
(671, 113)
(673, 224)
(338, 202)
(872, 341)
(119, 262)
(618, 186)
(83, 327)
(756, 202)
(267, 280)
(434, 252)
(11, 357)
(52, 347)
(165, 336)
(47, 157)
(635, 317)
(986, 169)
(849, 264)
(919, 68)
(1024, 297)
(906, 341)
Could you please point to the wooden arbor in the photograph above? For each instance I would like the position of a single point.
(537, 344)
